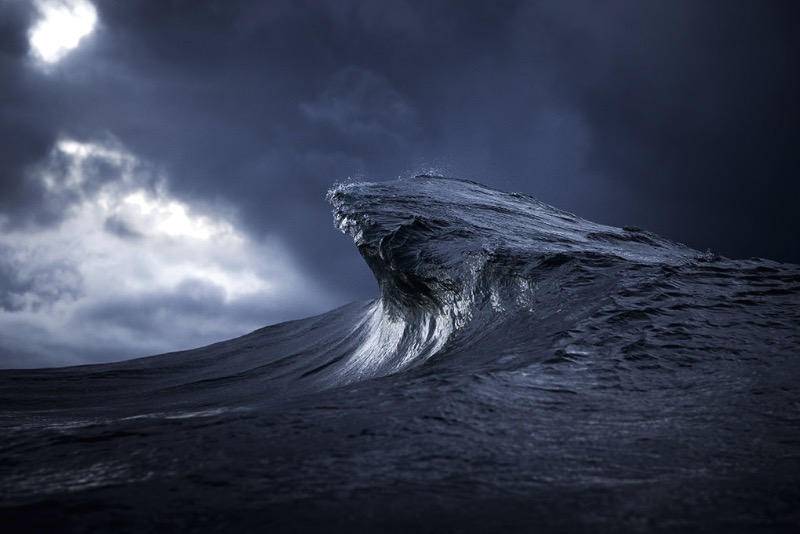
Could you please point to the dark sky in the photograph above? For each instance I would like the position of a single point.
(162, 184)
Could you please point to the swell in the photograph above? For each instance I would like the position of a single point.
(464, 270)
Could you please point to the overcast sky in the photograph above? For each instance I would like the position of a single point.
(164, 163)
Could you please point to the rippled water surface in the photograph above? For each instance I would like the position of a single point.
(524, 369)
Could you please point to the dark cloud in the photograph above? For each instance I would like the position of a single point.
(691, 109)
(148, 313)
(26, 131)
(360, 109)
(26, 286)
(187, 316)
(117, 226)
(15, 18)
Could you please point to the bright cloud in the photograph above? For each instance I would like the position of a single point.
(60, 28)
(133, 270)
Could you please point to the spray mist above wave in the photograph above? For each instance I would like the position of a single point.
(451, 256)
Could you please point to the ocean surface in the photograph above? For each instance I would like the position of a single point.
(523, 370)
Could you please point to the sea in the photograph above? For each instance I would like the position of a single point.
(523, 370)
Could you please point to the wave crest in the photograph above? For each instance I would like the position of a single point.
(451, 254)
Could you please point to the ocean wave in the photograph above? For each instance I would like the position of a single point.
(453, 256)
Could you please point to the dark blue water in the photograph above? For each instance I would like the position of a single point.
(522, 370)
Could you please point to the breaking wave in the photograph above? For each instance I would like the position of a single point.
(454, 258)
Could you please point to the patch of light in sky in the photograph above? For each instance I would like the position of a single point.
(60, 28)
(174, 238)
(125, 238)
(172, 218)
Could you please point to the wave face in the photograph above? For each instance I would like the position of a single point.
(522, 367)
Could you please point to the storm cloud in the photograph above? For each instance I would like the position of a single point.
(679, 117)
